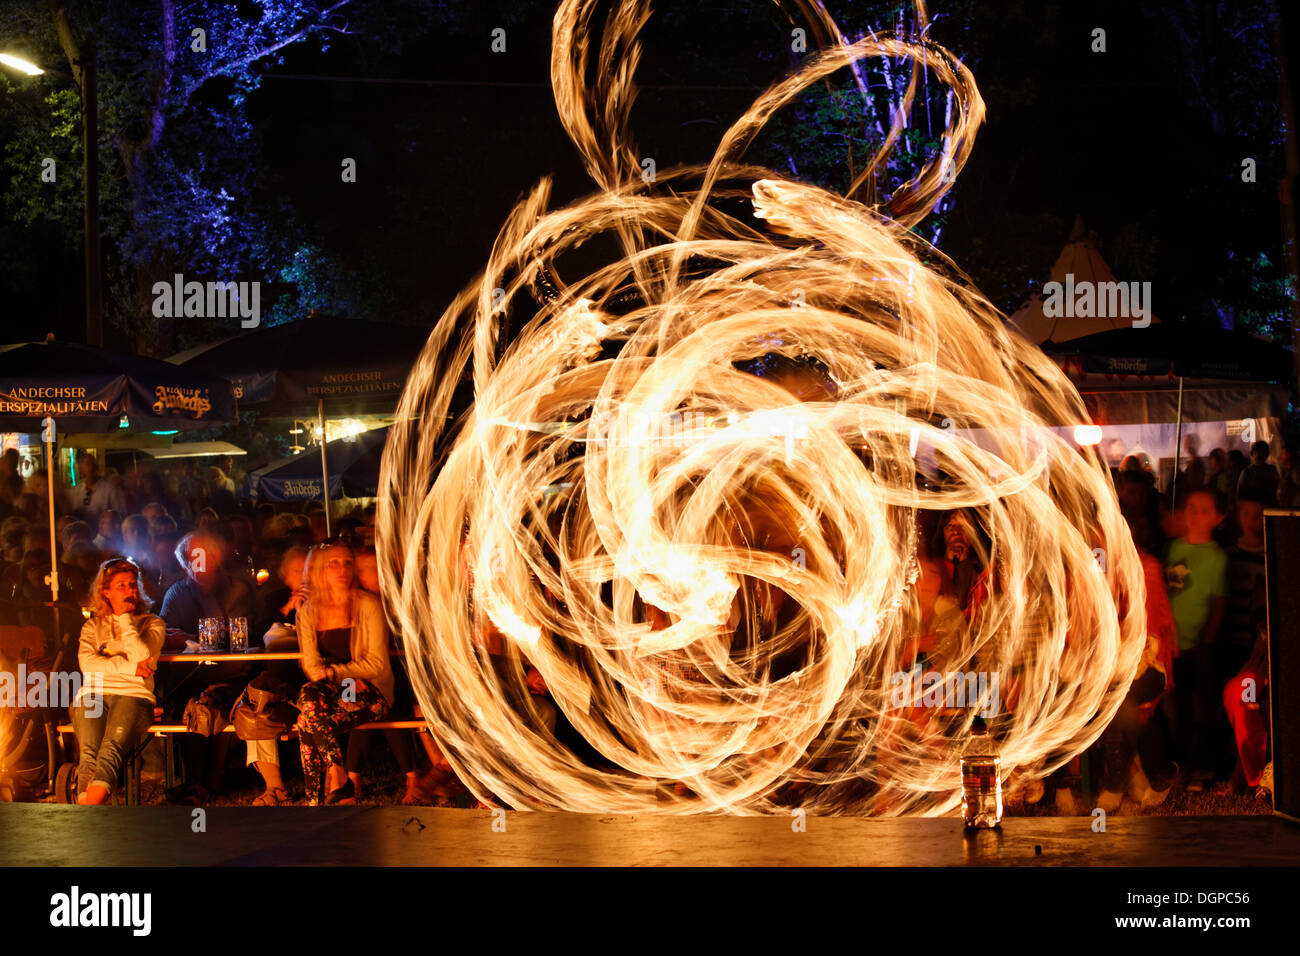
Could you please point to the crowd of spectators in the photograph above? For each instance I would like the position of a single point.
(1196, 711)
(186, 546)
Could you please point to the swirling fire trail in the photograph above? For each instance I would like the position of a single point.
(688, 491)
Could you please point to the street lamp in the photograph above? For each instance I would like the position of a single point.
(18, 63)
(89, 180)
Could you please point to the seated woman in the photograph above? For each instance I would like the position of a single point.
(420, 783)
(343, 635)
(118, 655)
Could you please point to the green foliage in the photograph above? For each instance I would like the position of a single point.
(182, 187)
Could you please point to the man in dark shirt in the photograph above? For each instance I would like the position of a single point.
(206, 590)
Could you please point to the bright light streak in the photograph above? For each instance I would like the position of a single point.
(726, 612)
(18, 63)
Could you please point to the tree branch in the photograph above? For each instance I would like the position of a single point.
(267, 51)
(158, 113)
(71, 48)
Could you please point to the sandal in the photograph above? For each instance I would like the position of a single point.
(272, 797)
(345, 792)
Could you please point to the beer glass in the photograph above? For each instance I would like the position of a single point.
(238, 635)
(210, 634)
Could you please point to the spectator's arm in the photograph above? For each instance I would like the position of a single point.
(180, 623)
(312, 665)
(1218, 605)
(154, 635)
(176, 612)
(373, 660)
(101, 657)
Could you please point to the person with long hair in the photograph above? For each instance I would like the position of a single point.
(343, 635)
(118, 654)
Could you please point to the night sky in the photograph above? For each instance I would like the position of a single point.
(448, 135)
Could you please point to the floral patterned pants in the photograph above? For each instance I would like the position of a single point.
(326, 713)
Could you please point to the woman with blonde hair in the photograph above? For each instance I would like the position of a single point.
(118, 655)
(343, 635)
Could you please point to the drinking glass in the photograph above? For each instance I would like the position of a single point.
(238, 635)
(209, 634)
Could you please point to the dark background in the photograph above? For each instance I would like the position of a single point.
(1144, 141)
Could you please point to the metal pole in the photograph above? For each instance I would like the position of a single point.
(49, 487)
(90, 180)
(1178, 448)
(324, 466)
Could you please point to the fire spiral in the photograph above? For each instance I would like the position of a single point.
(687, 494)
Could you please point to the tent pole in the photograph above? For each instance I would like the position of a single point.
(1178, 446)
(54, 561)
(324, 468)
(50, 474)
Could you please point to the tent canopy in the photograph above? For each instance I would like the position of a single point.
(1172, 351)
(195, 449)
(349, 363)
(1133, 376)
(1081, 260)
(353, 470)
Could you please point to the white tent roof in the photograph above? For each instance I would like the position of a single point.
(1081, 259)
(195, 449)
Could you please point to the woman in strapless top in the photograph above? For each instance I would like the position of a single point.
(343, 635)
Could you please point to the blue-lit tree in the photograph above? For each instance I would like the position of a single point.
(183, 184)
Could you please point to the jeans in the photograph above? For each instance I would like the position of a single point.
(106, 740)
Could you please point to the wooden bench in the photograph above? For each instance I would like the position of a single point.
(159, 730)
(166, 731)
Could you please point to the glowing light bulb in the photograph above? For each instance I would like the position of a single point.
(1087, 434)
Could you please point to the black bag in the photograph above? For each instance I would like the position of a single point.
(206, 714)
(263, 711)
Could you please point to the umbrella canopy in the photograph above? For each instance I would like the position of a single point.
(1172, 351)
(349, 363)
(87, 389)
(353, 471)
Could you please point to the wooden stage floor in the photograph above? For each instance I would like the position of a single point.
(55, 835)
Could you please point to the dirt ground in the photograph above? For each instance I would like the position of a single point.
(387, 786)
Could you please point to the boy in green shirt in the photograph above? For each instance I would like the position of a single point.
(1196, 573)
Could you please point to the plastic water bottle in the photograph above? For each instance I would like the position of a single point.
(981, 780)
